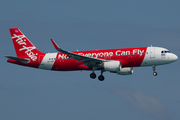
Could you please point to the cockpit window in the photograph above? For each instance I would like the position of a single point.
(165, 51)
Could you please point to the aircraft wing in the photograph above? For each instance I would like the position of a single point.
(89, 61)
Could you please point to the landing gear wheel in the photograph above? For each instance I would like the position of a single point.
(93, 75)
(101, 77)
(155, 73)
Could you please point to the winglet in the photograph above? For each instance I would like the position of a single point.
(55, 45)
(58, 48)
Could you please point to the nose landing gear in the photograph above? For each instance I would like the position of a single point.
(154, 72)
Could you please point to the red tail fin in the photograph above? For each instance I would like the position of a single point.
(22, 45)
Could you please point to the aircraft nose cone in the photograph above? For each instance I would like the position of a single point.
(174, 57)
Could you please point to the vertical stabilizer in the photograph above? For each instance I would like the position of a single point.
(22, 45)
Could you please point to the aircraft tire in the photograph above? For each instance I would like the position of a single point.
(93, 75)
(155, 73)
(101, 78)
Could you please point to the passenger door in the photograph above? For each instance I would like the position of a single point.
(152, 53)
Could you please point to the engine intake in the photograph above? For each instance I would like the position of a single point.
(112, 66)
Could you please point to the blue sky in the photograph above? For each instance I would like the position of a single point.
(28, 93)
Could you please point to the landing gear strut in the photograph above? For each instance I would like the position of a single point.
(154, 72)
(101, 77)
(93, 75)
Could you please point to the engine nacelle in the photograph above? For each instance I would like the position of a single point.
(125, 71)
(112, 66)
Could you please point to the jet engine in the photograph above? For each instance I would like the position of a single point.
(125, 71)
(115, 67)
(112, 66)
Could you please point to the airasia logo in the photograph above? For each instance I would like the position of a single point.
(28, 50)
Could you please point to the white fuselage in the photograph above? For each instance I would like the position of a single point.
(158, 56)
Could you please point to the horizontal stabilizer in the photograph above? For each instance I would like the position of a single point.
(19, 59)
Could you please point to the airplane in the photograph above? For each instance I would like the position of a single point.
(120, 61)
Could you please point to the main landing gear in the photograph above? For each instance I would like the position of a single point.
(154, 72)
(93, 75)
(101, 77)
